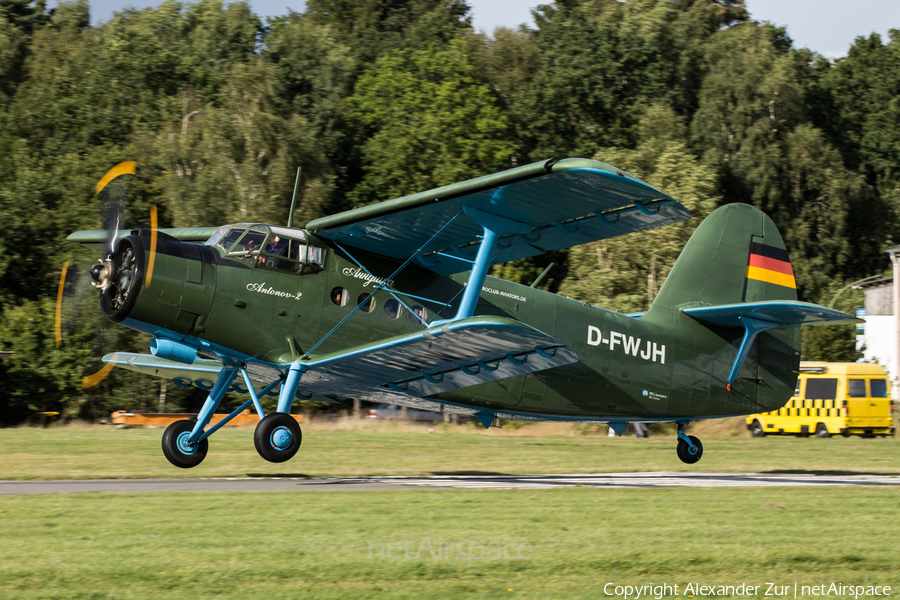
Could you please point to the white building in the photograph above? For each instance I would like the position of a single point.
(881, 337)
(880, 331)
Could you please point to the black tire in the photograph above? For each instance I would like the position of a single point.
(177, 453)
(822, 431)
(756, 429)
(277, 437)
(683, 450)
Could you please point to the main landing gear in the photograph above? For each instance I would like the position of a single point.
(277, 437)
(689, 448)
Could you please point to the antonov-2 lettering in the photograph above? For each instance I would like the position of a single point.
(631, 345)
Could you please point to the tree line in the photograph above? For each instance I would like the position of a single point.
(376, 100)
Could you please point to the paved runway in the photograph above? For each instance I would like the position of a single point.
(599, 480)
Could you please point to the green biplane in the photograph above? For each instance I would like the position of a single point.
(392, 303)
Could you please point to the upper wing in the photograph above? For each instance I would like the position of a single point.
(558, 203)
(420, 364)
(96, 239)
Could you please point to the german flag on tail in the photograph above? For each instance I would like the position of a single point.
(770, 265)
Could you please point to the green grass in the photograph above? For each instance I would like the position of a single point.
(316, 544)
(62, 453)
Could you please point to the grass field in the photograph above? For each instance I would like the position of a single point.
(103, 452)
(559, 543)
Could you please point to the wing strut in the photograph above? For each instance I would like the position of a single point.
(493, 226)
(381, 286)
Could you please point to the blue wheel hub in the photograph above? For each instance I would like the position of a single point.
(281, 438)
(184, 446)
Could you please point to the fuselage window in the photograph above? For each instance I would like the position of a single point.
(418, 315)
(392, 309)
(340, 296)
(368, 306)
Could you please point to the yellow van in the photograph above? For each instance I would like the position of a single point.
(831, 398)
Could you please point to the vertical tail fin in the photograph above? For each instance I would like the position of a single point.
(735, 255)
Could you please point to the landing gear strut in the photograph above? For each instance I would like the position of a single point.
(277, 436)
(689, 448)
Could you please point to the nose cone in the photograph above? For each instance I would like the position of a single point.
(97, 272)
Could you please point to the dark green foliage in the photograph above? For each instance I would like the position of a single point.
(380, 99)
(24, 15)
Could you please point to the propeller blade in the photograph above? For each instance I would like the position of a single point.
(59, 298)
(152, 259)
(113, 211)
(90, 381)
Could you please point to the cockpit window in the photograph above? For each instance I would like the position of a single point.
(226, 237)
(218, 235)
(271, 247)
(291, 254)
(250, 242)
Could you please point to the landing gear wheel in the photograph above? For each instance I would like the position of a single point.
(684, 450)
(822, 431)
(756, 429)
(277, 437)
(177, 449)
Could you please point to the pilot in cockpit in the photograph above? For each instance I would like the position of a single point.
(276, 247)
(273, 247)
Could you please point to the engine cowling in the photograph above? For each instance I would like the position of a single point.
(176, 296)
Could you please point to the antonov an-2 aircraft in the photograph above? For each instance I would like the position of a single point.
(392, 303)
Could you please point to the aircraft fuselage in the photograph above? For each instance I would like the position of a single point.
(663, 367)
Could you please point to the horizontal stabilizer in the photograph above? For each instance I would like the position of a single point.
(786, 313)
(757, 317)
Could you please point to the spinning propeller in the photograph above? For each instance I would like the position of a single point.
(113, 274)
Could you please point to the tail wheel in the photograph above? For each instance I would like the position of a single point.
(756, 429)
(684, 450)
(178, 450)
(822, 431)
(277, 437)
